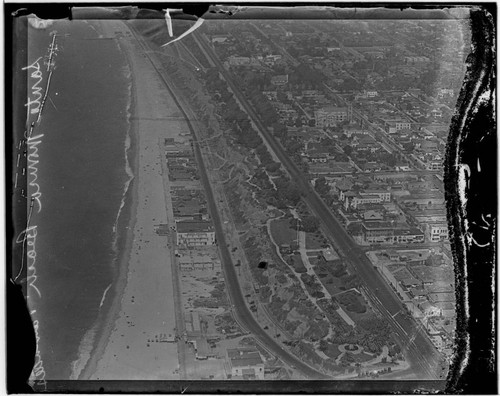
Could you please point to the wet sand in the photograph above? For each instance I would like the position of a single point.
(143, 306)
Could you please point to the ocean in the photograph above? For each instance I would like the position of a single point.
(82, 173)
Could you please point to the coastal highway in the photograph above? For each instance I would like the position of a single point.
(242, 313)
(420, 352)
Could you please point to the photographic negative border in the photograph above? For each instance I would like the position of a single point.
(470, 181)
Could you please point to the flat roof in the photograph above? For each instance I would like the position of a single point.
(194, 226)
(241, 357)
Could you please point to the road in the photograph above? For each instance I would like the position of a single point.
(420, 351)
(375, 128)
(242, 313)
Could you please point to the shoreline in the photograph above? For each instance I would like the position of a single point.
(127, 344)
(121, 265)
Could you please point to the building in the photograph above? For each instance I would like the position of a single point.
(377, 231)
(330, 116)
(245, 363)
(416, 60)
(396, 125)
(353, 199)
(385, 232)
(280, 79)
(238, 60)
(384, 195)
(438, 231)
(329, 255)
(219, 38)
(195, 233)
(199, 263)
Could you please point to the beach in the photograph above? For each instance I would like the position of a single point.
(127, 346)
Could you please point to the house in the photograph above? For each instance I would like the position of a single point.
(436, 113)
(370, 166)
(429, 309)
(329, 255)
(193, 263)
(396, 125)
(437, 231)
(402, 167)
(317, 157)
(238, 60)
(195, 233)
(418, 293)
(377, 231)
(427, 215)
(352, 199)
(443, 92)
(280, 79)
(219, 38)
(372, 215)
(384, 195)
(412, 235)
(387, 232)
(245, 363)
(330, 116)
(413, 60)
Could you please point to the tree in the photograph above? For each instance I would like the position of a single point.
(279, 130)
(310, 224)
(323, 345)
(273, 167)
(321, 186)
(347, 149)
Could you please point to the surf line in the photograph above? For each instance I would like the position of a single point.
(104, 295)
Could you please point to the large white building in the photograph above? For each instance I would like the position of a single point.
(195, 233)
(438, 231)
(245, 363)
(330, 116)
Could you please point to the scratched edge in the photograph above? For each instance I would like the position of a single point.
(456, 223)
(472, 108)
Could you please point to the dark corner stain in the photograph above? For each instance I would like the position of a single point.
(263, 265)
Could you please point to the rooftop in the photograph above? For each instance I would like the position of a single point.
(242, 357)
(194, 226)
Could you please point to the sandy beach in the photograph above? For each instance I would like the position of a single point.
(142, 311)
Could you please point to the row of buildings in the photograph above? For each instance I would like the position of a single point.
(192, 221)
(424, 281)
(404, 211)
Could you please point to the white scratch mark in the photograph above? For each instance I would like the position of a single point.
(478, 165)
(482, 217)
(197, 24)
(478, 244)
(168, 20)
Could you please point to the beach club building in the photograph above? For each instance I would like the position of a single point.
(195, 233)
(245, 363)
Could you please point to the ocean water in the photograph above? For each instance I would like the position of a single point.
(83, 174)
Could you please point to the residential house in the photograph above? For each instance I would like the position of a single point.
(281, 79)
(396, 124)
(330, 116)
(438, 231)
(385, 232)
(219, 38)
(245, 363)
